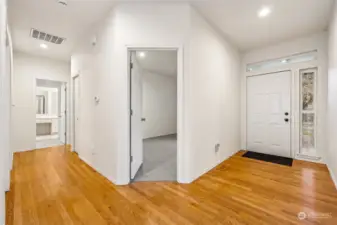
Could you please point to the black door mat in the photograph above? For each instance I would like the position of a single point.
(269, 158)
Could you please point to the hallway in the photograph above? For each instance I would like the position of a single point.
(112, 80)
(52, 186)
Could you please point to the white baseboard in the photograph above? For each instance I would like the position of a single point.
(309, 158)
(214, 165)
(333, 177)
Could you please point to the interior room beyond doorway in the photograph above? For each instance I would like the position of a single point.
(154, 115)
(50, 106)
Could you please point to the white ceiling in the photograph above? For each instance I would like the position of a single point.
(48, 83)
(236, 19)
(49, 16)
(160, 62)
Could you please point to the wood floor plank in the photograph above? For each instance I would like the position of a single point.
(53, 186)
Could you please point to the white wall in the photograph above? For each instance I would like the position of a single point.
(89, 133)
(209, 93)
(144, 24)
(4, 108)
(159, 104)
(27, 69)
(212, 98)
(128, 24)
(300, 45)
(332, 99)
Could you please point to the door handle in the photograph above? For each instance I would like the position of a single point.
(286, 119)
(143, 119)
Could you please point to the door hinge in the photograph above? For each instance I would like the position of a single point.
(131, 65)
(131, 158)
(131, 112)
(65, 134)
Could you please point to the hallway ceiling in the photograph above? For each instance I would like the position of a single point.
(236, 19)
(70, 22)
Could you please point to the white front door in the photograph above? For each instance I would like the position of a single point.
(136, 117)
(269, 113)
(76, 113)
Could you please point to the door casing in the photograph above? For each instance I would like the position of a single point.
(182, 176)
(77, 77)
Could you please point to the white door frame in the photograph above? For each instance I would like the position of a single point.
(66, 114)
(65, 111)
(73, 119)
(7, 83)
(180, 103)
(291, 108)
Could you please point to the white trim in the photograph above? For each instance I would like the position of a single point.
(10, 41)
(181, 160)
(333, 177)
(9, 50)
(309, 158)
(72, 107)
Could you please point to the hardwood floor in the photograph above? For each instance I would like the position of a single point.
(53, 186)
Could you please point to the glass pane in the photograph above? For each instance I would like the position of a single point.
(308, 131)
(308, 90)
(308, 114)
(281, 62)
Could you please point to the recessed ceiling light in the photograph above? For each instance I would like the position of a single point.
(44, 46)
(264, 11)
(284, 60)
(142, 54)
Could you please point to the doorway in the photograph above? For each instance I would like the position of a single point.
(269, 114)
(51, 107)
(153, 117)
(76, 112)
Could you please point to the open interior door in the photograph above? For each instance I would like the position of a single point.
(136, 116)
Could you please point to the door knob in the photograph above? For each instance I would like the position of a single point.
(143, 119)
(286, 119)
(286, 113)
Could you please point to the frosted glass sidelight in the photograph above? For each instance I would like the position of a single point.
(308, 111)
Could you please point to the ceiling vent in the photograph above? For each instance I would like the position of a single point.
(39, 35)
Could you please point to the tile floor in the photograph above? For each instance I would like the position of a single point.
(48, 143)
(160, 159)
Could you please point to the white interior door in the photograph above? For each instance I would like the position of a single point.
(136, 117)
(268, 114)
(76, 112)
(62, 114)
